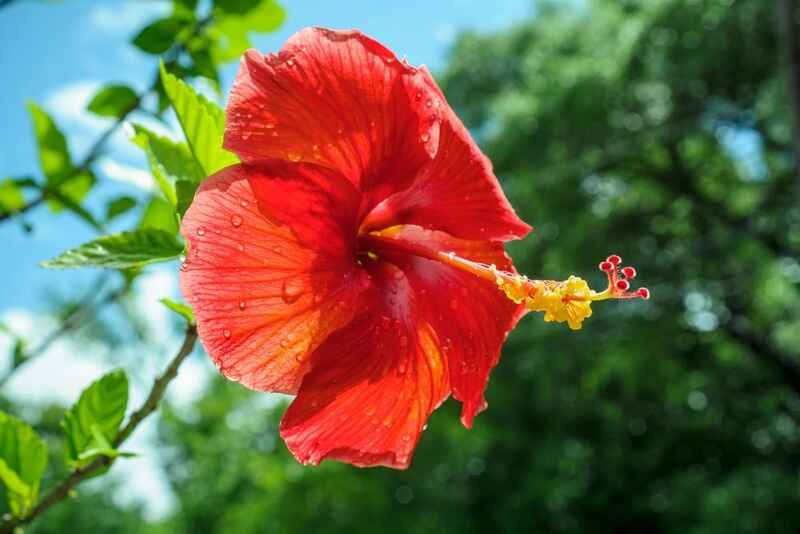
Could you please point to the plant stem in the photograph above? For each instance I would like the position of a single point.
(65, 487)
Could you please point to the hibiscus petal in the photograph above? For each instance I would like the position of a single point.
(338, 99)
(470, 316)
(267, 290)
(456, 192)
(373, 385)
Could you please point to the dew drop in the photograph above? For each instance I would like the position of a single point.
(276, 250)
(201, 231)
(294, 156)
(429, 103)
(236, 221)
(245, 136)
(425, 137)
(292, 289)
(300, 359)
(240, 247)
(242, 305)
(418, 96)
(226, 334)
(290, 62)
(184, 266)
(243, 203)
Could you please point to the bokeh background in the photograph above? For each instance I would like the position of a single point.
(661, 130)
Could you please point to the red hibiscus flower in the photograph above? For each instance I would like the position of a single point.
(355, 257)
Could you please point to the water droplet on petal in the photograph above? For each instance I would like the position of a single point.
(292, 290)
(243, 203)
(201, 231)
(294, 156)
(245, 136)
(290, 62)
(429, 103)
(226, 334)
(240, 247)
(236, 221)
(418, 96)
(242, 305)
(425, 137)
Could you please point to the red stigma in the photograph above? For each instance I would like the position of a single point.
(629, 272)
(616, 260)
(623, 285)
(606, 266)
(643, 292)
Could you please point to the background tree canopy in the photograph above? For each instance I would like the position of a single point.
(659, 130)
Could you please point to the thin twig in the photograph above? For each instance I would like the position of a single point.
(65, 487)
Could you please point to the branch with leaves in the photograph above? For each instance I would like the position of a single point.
(190, 46)
(93, 439)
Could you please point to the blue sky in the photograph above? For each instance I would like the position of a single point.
(57, 55)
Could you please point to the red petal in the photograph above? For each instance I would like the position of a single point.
(270, 276)
(373, 386)
(457, 192)
(470, 316)
(338, 99)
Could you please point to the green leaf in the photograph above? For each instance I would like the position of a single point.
(120, 251)
(54, 156)
(64, 198)
(169, 161)
(203, 124)
(119, 205)
(184, 310)
(157, 37)
(94, 420)
(113, 101)
(63, 180)
(236, 6)
(11, 197)
(185, 191)
(235, 19)
(23, 459)
(159, 215)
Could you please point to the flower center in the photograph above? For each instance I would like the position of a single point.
(566, 301)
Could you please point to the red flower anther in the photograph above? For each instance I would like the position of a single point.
(623, 285)
(643, 292)
(629, 272)
(614, 259)
(606, 266)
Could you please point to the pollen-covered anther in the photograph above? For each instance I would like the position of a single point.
(570, 301)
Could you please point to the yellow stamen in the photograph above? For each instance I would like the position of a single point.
(568, 301)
